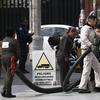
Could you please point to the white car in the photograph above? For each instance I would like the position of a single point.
(52, 30)
(48, 31)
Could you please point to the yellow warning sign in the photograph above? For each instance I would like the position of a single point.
(43, 63)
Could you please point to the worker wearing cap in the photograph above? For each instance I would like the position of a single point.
(9, 57)
(90, 61)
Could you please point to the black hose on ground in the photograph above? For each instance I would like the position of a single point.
(44, 90)
(36, 88)
(73, 68)
(57, 89)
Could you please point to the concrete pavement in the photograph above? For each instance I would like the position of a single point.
(23, 92)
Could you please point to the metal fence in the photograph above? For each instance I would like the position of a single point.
(60, 12)
(53, 12)
(11, 12)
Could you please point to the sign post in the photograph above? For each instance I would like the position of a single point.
(44, 70)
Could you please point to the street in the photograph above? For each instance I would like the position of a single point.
(22, 91)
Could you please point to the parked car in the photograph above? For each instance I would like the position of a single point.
(52, 30)
(56, 31)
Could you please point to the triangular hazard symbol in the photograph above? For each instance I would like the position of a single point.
(43, 63)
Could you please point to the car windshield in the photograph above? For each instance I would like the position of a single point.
(51, 31)
(46, 31)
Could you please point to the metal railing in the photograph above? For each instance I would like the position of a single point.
(11, 12)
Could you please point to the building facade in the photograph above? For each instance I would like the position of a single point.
(60, 12)
(91, 5)
(52, 12)
(11, 12)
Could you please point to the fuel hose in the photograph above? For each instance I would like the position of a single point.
(56, 89)
(35, 87)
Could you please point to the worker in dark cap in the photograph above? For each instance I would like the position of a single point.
(90, 61)
(9, 57)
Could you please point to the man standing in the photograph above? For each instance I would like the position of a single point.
(63, 54)
(24, 40)
(87, 40)
(9, 57)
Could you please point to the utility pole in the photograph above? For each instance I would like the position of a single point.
(30, 16)
(35, 25)
(36, 16)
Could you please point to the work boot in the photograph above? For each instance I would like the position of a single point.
(97, 89)
(84, 91)
(3, 94)
(9, 96)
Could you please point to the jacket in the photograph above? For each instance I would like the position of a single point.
(10, 47)
(87, 36)
(23, 36)
(66, 45)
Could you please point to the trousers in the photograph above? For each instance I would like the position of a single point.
(90, 61)
(23, 57)
(9, 65)
(64, 66)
